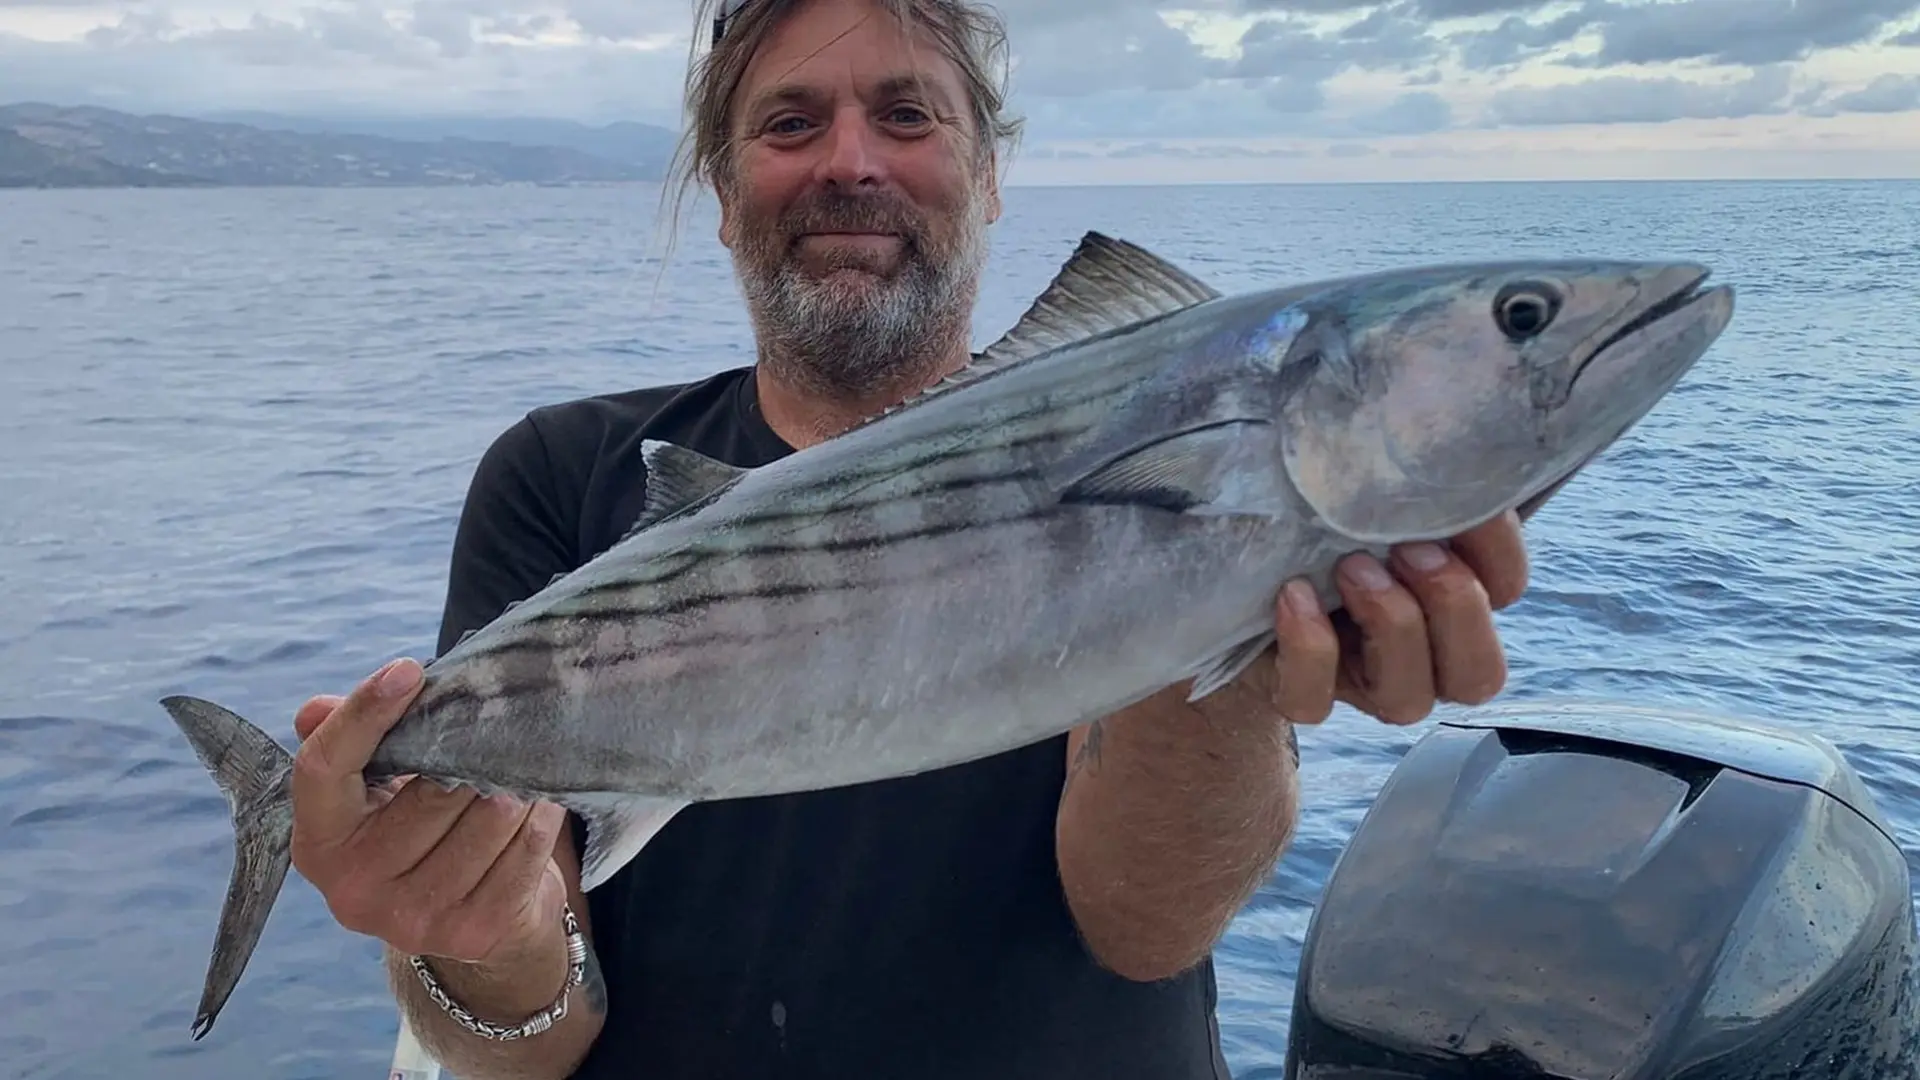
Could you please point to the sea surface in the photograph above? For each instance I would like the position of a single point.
(237, 427)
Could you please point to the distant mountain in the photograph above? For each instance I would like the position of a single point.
(645, 146)
(26, 163)
(59, 146)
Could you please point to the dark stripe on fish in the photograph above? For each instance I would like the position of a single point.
(775, 521)
(683, 605)
(545, 652)
(1002, 463)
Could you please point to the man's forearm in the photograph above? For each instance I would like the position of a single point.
(506, 993)
(1172, 816)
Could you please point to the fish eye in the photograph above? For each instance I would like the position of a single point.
(1524, 310)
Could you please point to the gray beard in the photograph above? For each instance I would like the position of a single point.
(853, 337)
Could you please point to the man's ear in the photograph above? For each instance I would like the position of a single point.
(726, 220)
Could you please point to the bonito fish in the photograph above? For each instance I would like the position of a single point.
(1106, 503)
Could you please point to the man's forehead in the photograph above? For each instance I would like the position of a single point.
(825, 46)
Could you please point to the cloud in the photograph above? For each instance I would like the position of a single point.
(1134, 50)
(1409, 114)
(1291, 48)
(1517, 39)
(1738, 31)
(1624, 99)
(1886, 94)
(1454, 9)
(1163, 74)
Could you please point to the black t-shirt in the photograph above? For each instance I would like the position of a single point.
(912, 928)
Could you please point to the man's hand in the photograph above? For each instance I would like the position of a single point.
(430, 872)
(474, 885)
(1412, 633)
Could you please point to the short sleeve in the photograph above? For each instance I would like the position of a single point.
(515, 533)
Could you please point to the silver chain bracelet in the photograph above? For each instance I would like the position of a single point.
(533, 1025)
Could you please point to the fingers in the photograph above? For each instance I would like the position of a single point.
(480, 885)
(418, 817)
(429, 871)
(1392, 675)
(511, 894)
(329, 794)
(1467, 662)
(1496, 553)
(1309, 656)
(1407, 638)
(455, 865)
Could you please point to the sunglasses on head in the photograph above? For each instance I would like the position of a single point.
(728, 10)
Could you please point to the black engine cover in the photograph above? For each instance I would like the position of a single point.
(1593, 892)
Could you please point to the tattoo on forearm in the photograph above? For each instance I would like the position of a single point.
(1088, 756)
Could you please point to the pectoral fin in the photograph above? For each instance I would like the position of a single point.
(1198, 436)
(1188, 472)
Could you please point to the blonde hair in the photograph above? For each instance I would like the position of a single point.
(969, 35)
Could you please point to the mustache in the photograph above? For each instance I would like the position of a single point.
(840, 212)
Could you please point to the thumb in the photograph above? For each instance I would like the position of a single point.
(329, 791)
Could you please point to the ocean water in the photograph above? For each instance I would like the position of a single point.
(237, 427)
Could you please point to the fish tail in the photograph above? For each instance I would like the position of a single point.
(256, 775)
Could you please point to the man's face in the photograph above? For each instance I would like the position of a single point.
(859, 211)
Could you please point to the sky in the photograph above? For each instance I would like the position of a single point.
(1112, 90)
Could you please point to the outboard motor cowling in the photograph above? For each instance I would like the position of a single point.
(1594, 892)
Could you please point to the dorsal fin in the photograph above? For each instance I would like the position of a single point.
(1106, 284)
(679, 480)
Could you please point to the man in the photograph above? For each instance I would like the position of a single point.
(1047, 912)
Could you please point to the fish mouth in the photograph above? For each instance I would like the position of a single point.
(1685, 294)
(1688, 292)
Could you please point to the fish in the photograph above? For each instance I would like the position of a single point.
(1105, 503)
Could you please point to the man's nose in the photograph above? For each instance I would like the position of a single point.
(853, 156)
